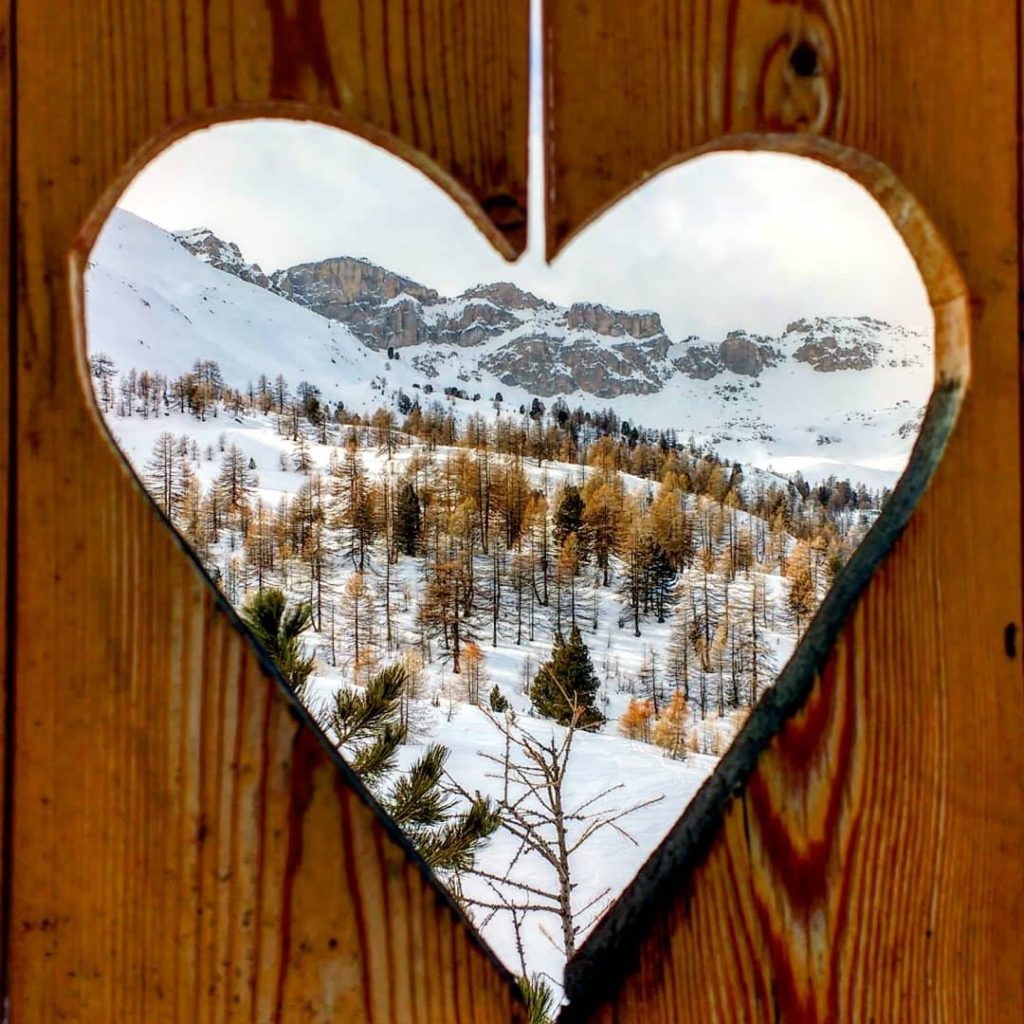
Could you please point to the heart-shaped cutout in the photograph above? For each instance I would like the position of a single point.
(513, 463)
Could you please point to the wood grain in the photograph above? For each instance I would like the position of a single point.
(7, 367)
(869, 869)
(184, 847)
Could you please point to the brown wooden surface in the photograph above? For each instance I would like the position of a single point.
(6, 366)
(184, 849)
(871, 870)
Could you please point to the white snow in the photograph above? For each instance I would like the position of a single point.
(599, 761)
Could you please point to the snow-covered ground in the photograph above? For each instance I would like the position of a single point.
(599, 761)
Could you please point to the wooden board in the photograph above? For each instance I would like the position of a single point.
(869, 867)
(7, 369)
(185, 850)
(184, 847)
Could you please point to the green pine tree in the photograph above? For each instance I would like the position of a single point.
(568, 514)
(279, 628)
(567, 682)
(539, 999)
(661, 577)
(498, 702)
(366, 724)
(408, 519)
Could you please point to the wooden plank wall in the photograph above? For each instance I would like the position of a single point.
(7, 365)
(871, 868)
(184, 849)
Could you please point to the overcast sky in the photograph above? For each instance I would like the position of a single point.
(728, 240)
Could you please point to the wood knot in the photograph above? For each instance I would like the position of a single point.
(798, 82)
(803, 59)
(1010, 640)
(505, 210)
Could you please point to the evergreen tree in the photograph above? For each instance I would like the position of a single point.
(279, 629)
(539, 999)
(661, 577)
(567, 683)
(833, 567)
(367, 726)
(498, 702)
(568, 514)
(408, 519)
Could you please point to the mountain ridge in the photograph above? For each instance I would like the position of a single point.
(796, 400)
(590, 346)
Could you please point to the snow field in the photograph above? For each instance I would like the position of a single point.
(599, 761)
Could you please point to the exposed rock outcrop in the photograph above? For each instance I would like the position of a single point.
(746, 355)
(507, 295)
(826, 355)
(226, 256)
(547, 349)
(552, 366)
(740, 353)
(345, 280)
(613, 323)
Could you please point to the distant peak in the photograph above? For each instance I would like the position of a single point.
(194, 235)
(209, 247)
(505, 293)
(341, 280)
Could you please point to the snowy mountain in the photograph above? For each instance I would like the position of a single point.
(839, 395)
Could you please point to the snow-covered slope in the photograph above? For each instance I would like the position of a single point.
(837, 395)
(600, 761)
(153, 305)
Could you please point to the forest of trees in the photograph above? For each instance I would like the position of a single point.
(403, 549)
(502, 554)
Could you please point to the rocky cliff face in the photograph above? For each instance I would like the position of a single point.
(827, 351)
(226, 256)
(554, 365)
(740, 353)
(613, 323)
(331, 285)
(507, 295)
(543, 348)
